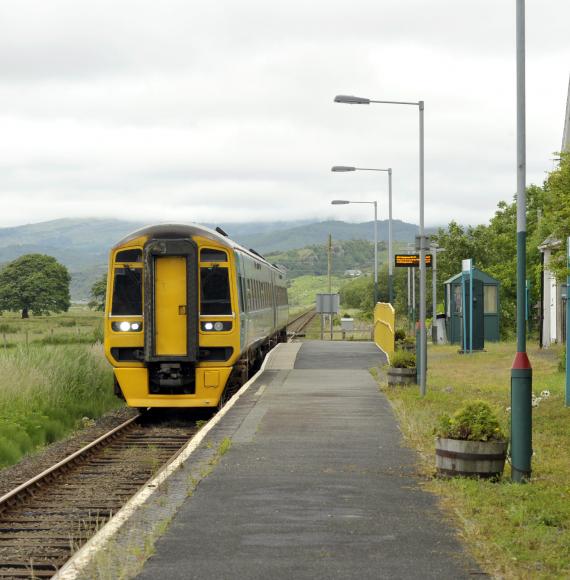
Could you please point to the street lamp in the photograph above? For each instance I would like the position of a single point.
(375, 203)
(422, 367)
(343, 168)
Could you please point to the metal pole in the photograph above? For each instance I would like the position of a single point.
(329, 263)
(375, 253)
(433, 294)
(409, 297)
(463, 314)
(390, 252)
(423, 337)
(470, 338)
(521, 371)
(567, 393)
(413, 297)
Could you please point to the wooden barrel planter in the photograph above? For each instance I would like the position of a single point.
(485, 459)
(402, 376)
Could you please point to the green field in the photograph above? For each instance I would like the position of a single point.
(515, 531)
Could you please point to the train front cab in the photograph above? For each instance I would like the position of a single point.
(171, 330)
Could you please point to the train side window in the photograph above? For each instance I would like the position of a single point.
(127, 292)
(210, 255)
(215, 291)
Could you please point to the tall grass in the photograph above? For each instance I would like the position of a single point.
(46, 390)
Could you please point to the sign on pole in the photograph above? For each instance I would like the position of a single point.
(328, 303)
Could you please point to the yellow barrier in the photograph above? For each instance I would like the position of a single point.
(384, 327)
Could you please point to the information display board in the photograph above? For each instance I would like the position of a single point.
(410, 260)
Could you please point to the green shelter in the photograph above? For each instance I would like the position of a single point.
(486, 293)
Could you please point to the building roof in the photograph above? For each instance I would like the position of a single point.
(478, 275)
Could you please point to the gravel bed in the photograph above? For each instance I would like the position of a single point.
(11, 477)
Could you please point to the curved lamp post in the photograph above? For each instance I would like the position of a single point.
(422, 366)
(375, 203)
(343, 168)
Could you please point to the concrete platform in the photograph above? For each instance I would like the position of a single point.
(316, 484)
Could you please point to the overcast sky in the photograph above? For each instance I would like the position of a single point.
(223, 110)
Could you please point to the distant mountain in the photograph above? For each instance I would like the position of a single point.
(83, 244)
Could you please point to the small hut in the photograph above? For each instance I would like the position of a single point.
(486, 293)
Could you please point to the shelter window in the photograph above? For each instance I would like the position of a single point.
(127, 292)
(210, 255)
(215, 291)
(134, 255)
(490, 299)
(457, 299)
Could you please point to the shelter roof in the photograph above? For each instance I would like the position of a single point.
(478, 275)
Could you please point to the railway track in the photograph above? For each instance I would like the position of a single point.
(298, 324)
(45, 520)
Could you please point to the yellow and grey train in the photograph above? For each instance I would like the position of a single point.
(188, 313)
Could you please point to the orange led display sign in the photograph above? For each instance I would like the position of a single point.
(410, 260)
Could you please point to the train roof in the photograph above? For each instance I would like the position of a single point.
(187, 231)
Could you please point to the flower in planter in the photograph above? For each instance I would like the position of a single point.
(476, 421)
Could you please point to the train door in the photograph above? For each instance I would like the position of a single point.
(170, 306)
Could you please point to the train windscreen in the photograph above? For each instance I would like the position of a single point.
(127, 292)
(215, 291)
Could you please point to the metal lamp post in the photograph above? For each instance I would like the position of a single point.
(422, 367)
(345, 202)
(521, 371)
(343, 168)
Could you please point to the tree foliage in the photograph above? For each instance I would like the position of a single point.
(34, 283)
(98, 293)
(555, 223)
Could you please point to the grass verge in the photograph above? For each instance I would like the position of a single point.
(46, 391)
(515, 531)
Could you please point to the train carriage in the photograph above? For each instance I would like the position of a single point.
(188, 314)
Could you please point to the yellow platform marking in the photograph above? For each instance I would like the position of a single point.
(170, 305)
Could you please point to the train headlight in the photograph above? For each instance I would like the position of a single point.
(126, 326)
(217, 326)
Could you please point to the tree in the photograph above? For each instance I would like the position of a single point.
(36, 283)
(556, 218)
(98, 293)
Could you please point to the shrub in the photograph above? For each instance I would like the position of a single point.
(402, 359)
(476, 421)
(400, 334)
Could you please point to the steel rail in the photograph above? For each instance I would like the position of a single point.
(28, 487)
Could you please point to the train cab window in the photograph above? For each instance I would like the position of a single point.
(209, 255)
(129, 256)
(215, 291)
(127, 292)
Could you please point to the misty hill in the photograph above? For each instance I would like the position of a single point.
(83, 244)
